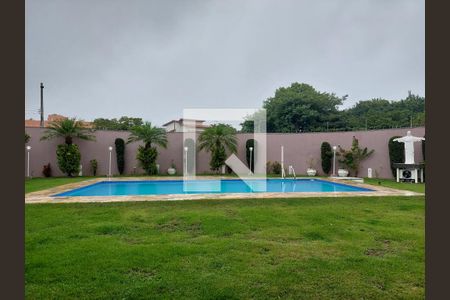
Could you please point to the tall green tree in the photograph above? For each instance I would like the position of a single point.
(396, 153)
(151, 136)
(326, 154)
(218, 139)
(120, 154)
(300, 108)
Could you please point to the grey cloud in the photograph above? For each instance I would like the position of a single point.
(151, 59)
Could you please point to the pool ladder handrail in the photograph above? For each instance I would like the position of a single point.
(292, 171)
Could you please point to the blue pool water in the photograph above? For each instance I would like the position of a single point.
(164, 187)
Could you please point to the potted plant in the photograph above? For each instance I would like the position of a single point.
(342, 172)
(311, 171)
(352, 158)
(172, 170)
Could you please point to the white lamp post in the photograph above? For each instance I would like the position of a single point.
(334, 160)
(109, 169)
(185, 160)
(251, 158)
(28, 161)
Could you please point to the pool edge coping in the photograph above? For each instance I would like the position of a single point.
(46, 196)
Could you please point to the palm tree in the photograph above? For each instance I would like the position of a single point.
(68, 129)
(149, 134)
(217, 139)
(68, 155)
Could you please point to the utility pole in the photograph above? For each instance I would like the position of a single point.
(42, 105)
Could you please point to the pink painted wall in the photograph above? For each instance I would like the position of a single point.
(298, 147)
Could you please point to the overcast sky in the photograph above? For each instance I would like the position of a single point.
(151, 59)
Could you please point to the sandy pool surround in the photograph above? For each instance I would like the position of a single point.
(45, 196)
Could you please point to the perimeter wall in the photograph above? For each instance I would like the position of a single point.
(298, 149)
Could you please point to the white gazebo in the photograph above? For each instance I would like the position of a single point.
(409, 170)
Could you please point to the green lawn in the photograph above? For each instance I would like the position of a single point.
(317, 248)
(391, 183)
(37, 184)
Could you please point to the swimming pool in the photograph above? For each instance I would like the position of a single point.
(224, 186)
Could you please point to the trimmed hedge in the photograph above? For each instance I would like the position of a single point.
(120, 154)
(69, 158)
(147, 159)
(326, 155)
(396, 153)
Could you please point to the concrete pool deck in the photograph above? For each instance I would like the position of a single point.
(45, 196)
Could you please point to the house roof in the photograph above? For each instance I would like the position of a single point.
(182, 120)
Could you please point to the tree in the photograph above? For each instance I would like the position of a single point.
(381, 113)
(326, 155)
(151, 136)
(300, 108)
(124, 123)
(396, 153)
(218, 139)
(120, 154)
(68, 129)
(68, 154)
(353, 157)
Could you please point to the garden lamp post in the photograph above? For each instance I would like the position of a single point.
(28, 161)
(185, 160)
(109, 169)
(334, 160)
(251, 158)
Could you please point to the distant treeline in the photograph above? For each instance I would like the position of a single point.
(301, 108)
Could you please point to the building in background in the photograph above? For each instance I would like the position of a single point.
(185, 125)
(50, 118)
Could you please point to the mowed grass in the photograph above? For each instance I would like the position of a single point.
(42, 183)
(316, 248)
(391, 183)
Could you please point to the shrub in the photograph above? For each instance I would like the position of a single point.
(218, 158)
(120, 154)
(147, 159)
(68, 156)
(396, 153)
(27, 137)
(269, 169)
(94, 166)
(276, 168)
(248, 144)
(47, 170)
(326, 155)
(353, 157)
